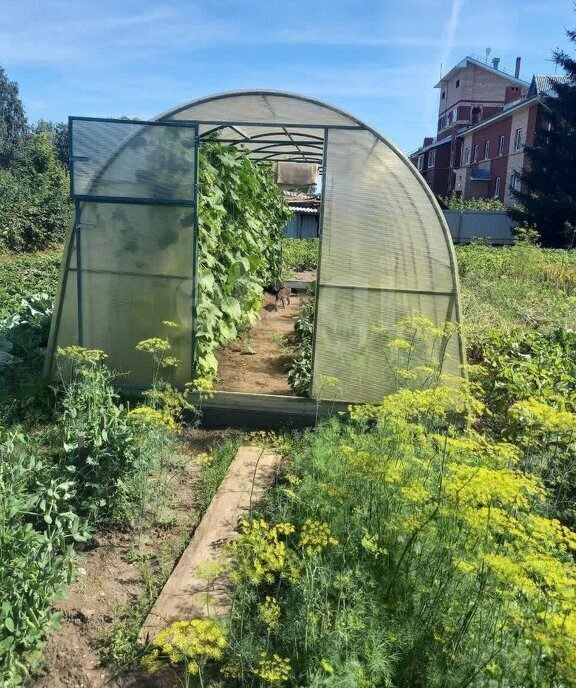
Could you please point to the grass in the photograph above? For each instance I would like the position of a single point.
(515, 288)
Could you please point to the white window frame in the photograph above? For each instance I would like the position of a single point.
(497, 188)
(432, 158)
(420, 162)
(486, 149)
(501, 144)
(475, 154)
(518, 139)
(467, 155)
(515, 182)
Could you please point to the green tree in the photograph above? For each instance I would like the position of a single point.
(58, 133)
(548, 195)
(34, 197)
(13, 123)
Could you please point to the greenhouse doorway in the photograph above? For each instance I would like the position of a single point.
(131, 257)
(271, 356)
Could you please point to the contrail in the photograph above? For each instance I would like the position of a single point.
(451, 29)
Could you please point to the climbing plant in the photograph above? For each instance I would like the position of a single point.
(241, 218)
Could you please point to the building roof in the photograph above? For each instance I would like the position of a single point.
(542, 83)
(499, 115)
(299, 201)
(434, 144)
(473, 60)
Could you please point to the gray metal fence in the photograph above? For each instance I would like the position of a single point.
(470, 225)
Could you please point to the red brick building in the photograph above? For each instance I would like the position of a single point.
(485, 117)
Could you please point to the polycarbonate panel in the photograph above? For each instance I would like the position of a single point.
(149, 239)
(380, 229)
(270, 108)
(132, 160)
(137, 268)
(121, 310)
(353, 332)
(384, 253)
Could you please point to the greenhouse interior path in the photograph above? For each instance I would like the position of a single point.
(197, 587)
(259, 363)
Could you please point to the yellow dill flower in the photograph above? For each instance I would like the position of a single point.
(534, 413)
(152, 417)
(316, 536)
(270, 611)
(273, 669)
(154, 345)
(190, 643)
(171, 324)
(78, 354)
(260, 553)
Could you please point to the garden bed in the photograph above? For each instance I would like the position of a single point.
(121, 573)
(258, 363)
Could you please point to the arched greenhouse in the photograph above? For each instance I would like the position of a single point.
(132, 256)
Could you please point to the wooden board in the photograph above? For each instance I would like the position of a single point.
(191, 592)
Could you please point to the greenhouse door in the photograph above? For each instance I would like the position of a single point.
(131, 260)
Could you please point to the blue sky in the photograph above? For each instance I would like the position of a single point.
(378, 59)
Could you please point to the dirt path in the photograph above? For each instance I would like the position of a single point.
(114, 578)
(264, 371)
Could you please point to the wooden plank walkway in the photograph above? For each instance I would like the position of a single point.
(190, 593)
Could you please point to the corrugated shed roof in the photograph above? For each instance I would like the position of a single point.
(304, 211)
(542, 83)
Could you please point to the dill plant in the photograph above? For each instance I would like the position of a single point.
(436, 564)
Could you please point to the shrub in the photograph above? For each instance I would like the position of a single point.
(299, 254)
(24, 275)
(455, 202)
(35, 207)
(37, 530)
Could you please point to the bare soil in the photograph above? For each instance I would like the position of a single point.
(259, 363)
(112, 580)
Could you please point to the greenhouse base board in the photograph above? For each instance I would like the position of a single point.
(263, 411)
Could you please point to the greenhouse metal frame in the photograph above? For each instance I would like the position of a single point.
(132, 251)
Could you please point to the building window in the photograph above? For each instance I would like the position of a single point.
(420, 163)
(457, 83)
(518, 140)
(515, 182)
(455, 114)
(467, 155)
(431, 158)
(497, 188)
(486, 150)
(443, 94)
(475, 158)
(501, 144)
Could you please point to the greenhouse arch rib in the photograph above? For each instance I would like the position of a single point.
(386, 247)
